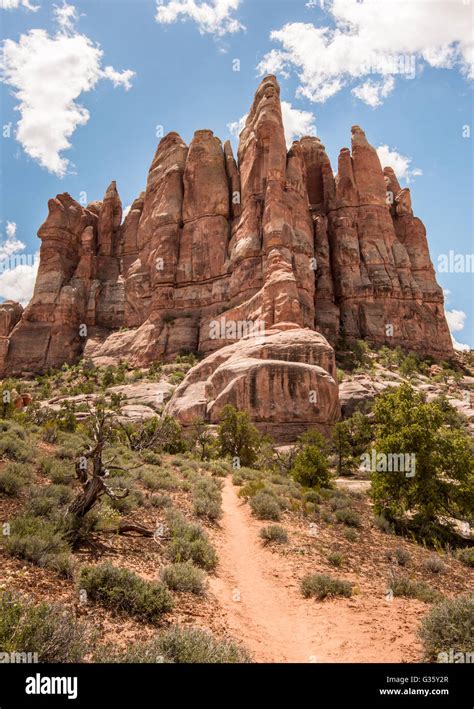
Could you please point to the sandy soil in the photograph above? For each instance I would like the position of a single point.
(263, 607)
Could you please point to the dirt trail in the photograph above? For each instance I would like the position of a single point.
(263, 607)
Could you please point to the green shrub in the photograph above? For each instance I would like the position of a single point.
(466, 556)
(448, 626)
(161, 501)
(189, 543)
(399, 555)
(274, 534)
(121, 589)
(336, 559)
(312, 496)
(184, 577)
(151, 457)
(237, 436)
(163, 479)
(48, 629)
(311, 467)
(403, 586)
(181, 646)
(351, 535)
(435, 565)
(57, 471)
(14, 448)
(349, 517)
(14, 477)
(48, 500)
(265, 505)
(207, 499)
(383, 524)
(339, 501)
(321, 586)
(406, 424)
(38, 540)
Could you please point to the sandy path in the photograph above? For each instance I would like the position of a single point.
(263, 607)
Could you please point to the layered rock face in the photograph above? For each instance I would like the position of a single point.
(219, 254)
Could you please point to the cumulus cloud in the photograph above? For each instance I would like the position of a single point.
(66, 16)
(18, 283)
(17, 270)
(373, 92)
(374, 38)
(10, 245)
(48, 73)
(13, 4)
(401, 164)
(296, 123)
(456, 320)
(214, 17)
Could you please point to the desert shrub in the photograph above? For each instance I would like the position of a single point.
(184, 576)
(48, 629)
(151, 457)
(339, 501)
(399, 555)
(404, 586)
(237, 436)
(161, 501)
(180, 646)
(10, 484)
(251, 488)
(351, 535)
(274, 534)
(383, 524)
(466, 556)
(312, 496)
(448, 626)
(348, 516)
(162, 479)
(15, 448)
(321, 586)
(13, 428)
(47, 500)
(265, 505)
(435, 565)
(336, 559)
(38, 540)
(14, 477)
(189, 542)
(207, 499)
(121, 589)
(56, 470)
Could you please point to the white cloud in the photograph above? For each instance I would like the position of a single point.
(374, 38)
(13, 4)
(372, 92)
(456, 320)
(296, 123)
(66, 16)
(18, 283)
(401, 164)
(126, 211)
(48, 73)
(11, 244)
(213, 17)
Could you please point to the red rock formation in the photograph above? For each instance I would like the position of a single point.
(212, 245)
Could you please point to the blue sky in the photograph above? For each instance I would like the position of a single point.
(400, 70)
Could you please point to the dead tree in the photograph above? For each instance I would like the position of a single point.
(92, 473)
